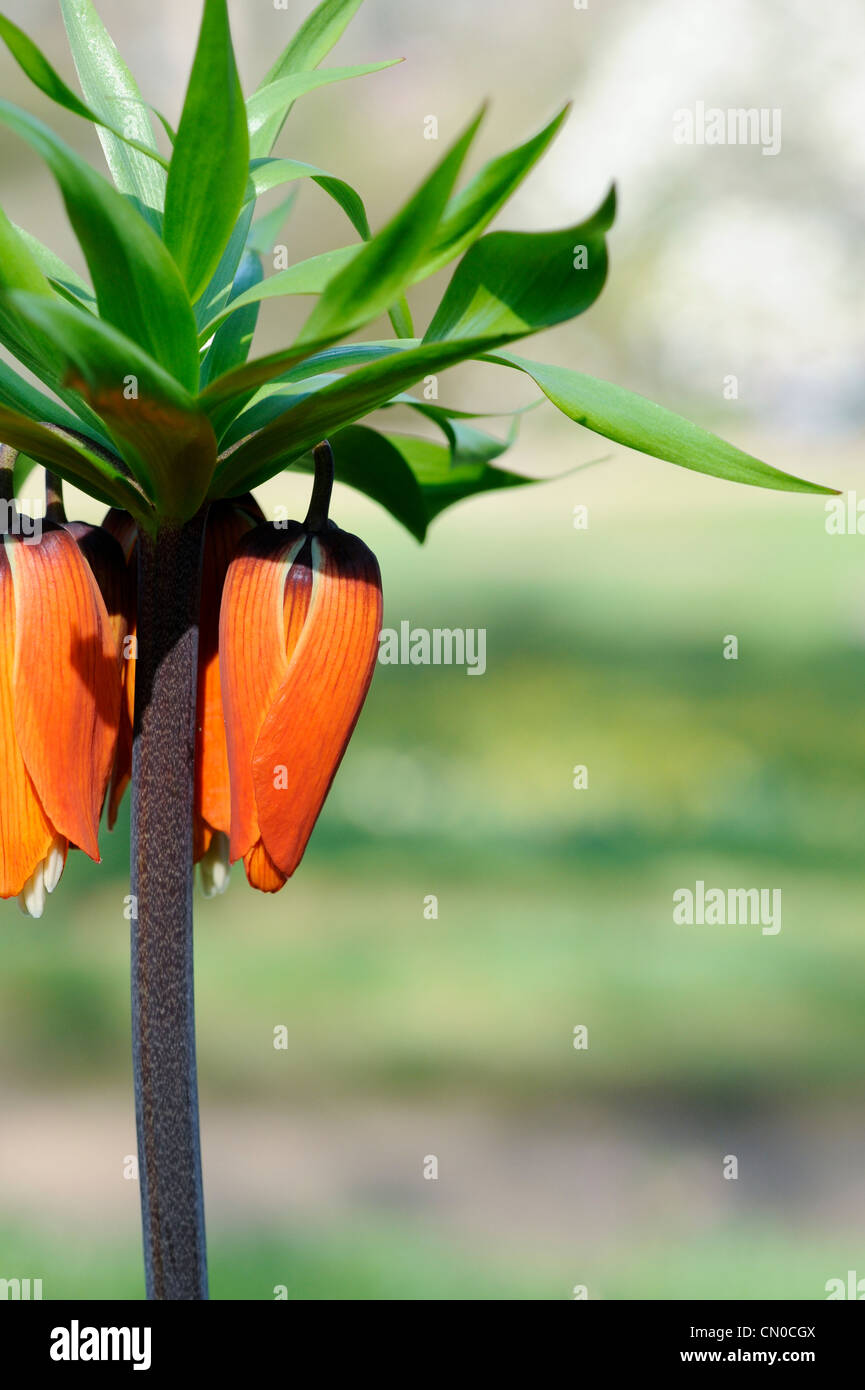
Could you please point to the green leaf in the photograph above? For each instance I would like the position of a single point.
(306, 277)
(272, 401)
(518, 282)
(310, 45)
(166, 125)
(469, 212)
(18, 395)
(443, 483)
(370, 284)
(161, 431)
(508, 285)
(234, 390)
(400, 317)
(19, 270)
(637, 423)
(265, 174)
(468, 445)
(137, 284)
(231, 342)
(210, 164)
(218, 292)
(279, 96)
(346, 355)
(414, 479)
(325, 411)
(113, 94)
(72, 459)
(58, 274)
(34, 63)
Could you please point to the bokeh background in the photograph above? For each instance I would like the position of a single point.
(409, 1037)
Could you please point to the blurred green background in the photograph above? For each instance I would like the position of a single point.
(409, 1037)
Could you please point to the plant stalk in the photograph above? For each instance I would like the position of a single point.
(163, 1011)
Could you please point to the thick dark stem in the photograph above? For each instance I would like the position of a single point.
(319, 502)
(7, 475)
(163, 1017)
(54, 508)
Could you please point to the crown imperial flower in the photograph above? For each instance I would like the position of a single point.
(299, 626)
(59, 711)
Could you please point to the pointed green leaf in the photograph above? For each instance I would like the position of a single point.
(58, 274)
(310, 45)
(19, 270)
(269, 404)
(111, 91)
(166, 125)
(231, 343)
(518, 282)
(160, 429)
(469, 212)
(444, 483)
(637, 423)
(210, 164)
(341, 403)
(508, 285)
(137, 284)
(379, 273)
(401, 319)
(218, 292)
(34, 63)
(306, 277)
(18, 395)
(278, 97)
(72, 459)
(265, 174)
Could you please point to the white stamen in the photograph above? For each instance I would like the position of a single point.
(54, 864)
(31, 899)
(214, 866)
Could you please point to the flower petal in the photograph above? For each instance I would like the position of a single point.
(66, 683)
(253, 662)
(26, 834)
(306, 730)
(261, 870)
(227, 524)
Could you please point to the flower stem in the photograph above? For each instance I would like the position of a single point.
(54, 508)
(319, 503)
(163, 1011)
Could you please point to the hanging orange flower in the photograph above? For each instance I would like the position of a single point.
(59, 711)
(298, 639)
(227, 524)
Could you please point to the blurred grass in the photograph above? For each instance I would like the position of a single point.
(395, 1264)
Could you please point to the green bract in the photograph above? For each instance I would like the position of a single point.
(156, 404)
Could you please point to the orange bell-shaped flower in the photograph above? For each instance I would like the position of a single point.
(227, 524)
(59, 710)
(298, 639)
